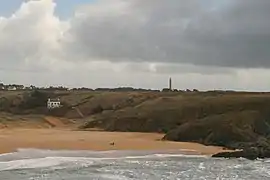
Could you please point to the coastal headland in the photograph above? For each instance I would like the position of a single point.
(201, 122)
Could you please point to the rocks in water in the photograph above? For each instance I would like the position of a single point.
(249, 153)
(258, 149)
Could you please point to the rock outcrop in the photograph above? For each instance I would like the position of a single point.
(248, 153)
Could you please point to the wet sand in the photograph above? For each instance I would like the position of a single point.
(61, 139)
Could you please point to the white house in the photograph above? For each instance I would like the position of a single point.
(53, 103)
(12, 88)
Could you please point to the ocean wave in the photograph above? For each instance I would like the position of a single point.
(36, 158)
(42, 163)
(40, 153)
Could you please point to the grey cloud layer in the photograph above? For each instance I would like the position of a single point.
(233, 34)
(142, 43)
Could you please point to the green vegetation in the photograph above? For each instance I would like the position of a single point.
(229, 119)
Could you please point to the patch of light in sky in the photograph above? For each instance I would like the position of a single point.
(64, 9)
(215, 4)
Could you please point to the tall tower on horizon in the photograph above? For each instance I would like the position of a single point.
(170, 83)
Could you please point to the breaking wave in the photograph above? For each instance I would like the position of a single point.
(35, 164)
(36, 158)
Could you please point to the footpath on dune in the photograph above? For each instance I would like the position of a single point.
(55, 122)
(10, 121)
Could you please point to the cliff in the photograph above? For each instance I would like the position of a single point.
(235, 121)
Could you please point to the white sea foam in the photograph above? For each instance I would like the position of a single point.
(181, 155)
(114, 177)
(36, 158)
(80, 165)
(38, 153)
(43, 163)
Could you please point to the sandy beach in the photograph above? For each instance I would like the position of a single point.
(62, 139)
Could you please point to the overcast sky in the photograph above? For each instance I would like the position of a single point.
(203, 44)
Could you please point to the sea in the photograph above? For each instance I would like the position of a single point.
(34, 164)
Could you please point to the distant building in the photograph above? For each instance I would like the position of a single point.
(2, 86)
(166, 90)
(12, 88)
(32, 87)
(53, 103)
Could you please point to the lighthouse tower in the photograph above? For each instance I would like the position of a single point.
(170, 84)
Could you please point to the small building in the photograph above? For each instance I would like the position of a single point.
(2, 86)
(12, 88)
(53, 103)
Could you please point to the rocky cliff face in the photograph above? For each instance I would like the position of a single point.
(229, 130)
(232, 121)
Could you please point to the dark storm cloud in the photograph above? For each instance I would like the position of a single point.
(201, 32)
